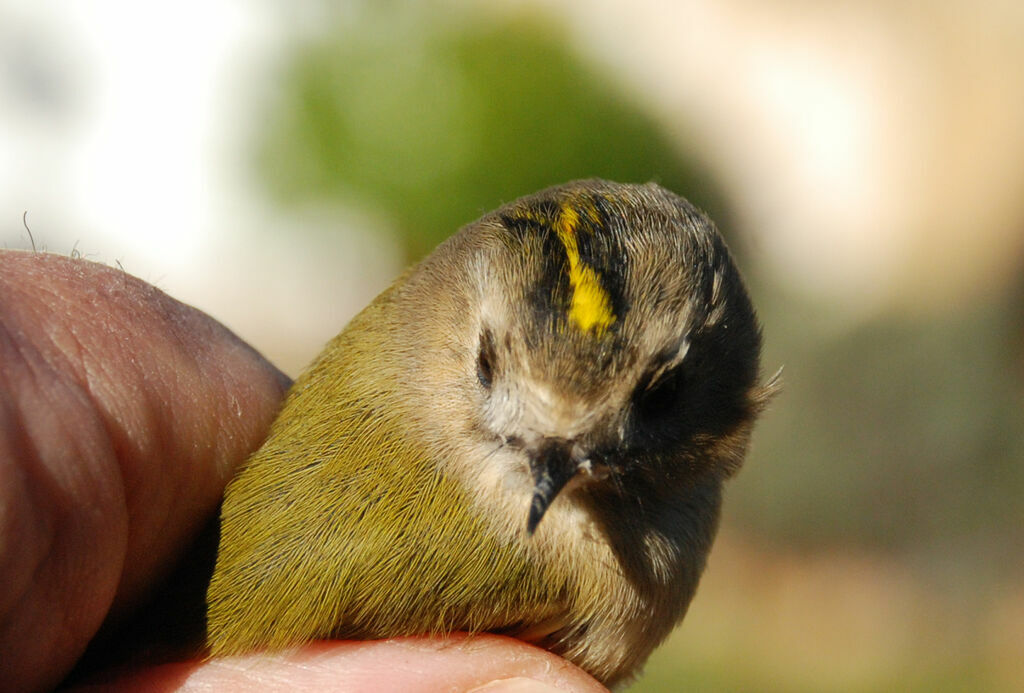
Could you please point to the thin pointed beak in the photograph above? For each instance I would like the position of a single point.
(553, 465)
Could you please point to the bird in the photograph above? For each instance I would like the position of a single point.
(527, 434)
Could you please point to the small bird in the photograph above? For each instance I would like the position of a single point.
(526, 434)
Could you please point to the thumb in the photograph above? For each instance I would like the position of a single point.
(484, 663)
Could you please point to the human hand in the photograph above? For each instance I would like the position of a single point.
(123, 413)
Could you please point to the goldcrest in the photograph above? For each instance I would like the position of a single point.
(526, 434)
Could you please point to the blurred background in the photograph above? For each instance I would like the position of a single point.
(276, 165)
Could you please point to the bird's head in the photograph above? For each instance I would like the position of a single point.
(606, 338)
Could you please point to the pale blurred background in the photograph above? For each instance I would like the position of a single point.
(277, 164)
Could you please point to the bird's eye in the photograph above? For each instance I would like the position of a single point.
(485, 361)
(657, 401)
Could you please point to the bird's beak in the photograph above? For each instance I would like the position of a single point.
(553, 465)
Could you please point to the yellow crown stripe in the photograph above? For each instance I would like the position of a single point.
(591, 308)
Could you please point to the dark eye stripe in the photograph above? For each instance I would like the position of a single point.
(485, 360)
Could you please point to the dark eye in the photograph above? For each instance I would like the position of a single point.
(657, 401)
(485, 361)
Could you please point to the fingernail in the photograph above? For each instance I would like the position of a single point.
(518, 684)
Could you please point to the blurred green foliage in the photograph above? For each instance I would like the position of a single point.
(670, 669)
(903, 433)
(433, 122)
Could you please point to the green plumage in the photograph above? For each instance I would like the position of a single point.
(406, 554)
